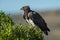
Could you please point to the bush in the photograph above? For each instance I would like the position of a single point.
(10, 32)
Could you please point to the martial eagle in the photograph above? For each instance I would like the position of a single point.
(35, 19)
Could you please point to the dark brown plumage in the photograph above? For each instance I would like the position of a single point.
(35, 19)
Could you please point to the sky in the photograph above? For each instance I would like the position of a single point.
(15, 5)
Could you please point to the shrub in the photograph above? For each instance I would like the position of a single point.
(10, 32)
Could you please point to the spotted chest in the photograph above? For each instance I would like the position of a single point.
(30, 22)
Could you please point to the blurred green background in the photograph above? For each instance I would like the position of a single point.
(9, 31)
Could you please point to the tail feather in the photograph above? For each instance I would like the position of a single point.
(45, 32)
(48, 29)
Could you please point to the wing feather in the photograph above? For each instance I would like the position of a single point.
(39, 21)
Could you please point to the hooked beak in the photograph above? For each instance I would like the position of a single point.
(21, 8)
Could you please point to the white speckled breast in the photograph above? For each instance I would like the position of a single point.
(30, 22)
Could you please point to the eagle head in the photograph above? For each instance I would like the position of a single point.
(25, 8)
